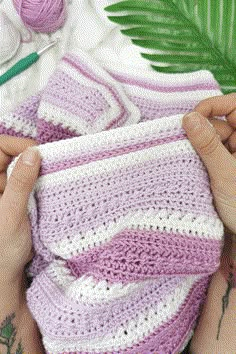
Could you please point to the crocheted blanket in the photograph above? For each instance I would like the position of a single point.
(123, 221)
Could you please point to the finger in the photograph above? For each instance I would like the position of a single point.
(13, 146)
(232, 142)
(14, 200)
(222, 128)
(3, 181)
(217, 106)
(220, 163)
(4, 161)
(231, 118)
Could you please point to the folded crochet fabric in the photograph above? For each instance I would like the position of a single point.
(123, 221)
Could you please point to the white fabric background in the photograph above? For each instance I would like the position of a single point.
(87, 28)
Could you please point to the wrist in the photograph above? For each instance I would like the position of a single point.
(14, 308)
(13, 294)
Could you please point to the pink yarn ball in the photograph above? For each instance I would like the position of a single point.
(41, 15)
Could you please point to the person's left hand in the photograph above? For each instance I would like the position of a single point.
(15, 232)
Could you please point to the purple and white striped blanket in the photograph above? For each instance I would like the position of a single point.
(123, 222)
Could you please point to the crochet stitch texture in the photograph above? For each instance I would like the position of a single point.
(123, 223)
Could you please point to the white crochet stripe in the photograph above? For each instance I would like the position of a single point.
(57, 150)
(86, 289)
(163, 78)
(72, 121)
(111, 164)
(101, 166)
(122, 341)
(167, 97)
(105, 139)
(58, 115)
(19, 125)
(67, 120)
(60, 274)
(211, 229)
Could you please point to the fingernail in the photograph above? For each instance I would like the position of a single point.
(30, 156)
(192, 121)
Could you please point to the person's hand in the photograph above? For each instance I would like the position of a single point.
(216, 146)
(15, 232)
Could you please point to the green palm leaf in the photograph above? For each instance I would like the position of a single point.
(185, 35)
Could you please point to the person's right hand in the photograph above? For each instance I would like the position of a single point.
(216, 146)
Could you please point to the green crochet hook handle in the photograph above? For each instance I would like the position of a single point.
(25, 63)
(20, 66)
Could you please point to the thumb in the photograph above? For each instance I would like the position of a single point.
(220, 163)
(20, 184)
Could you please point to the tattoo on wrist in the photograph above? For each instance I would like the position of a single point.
(225, 299)
(8, 335)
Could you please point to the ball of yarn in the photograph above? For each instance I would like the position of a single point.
(42, 15)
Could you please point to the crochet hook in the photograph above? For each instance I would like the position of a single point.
(24, 63)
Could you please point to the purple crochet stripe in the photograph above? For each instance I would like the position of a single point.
(152, 109)
(119, 260)
(67, 162)
(151, 85)
(56, 233)
(28, 109)
(106, 315)
(49, 132)
(169, 337)
(79, 101)
(84, 70)
(38, 245)
(37, 265)
(148, 196)
(26, 112)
